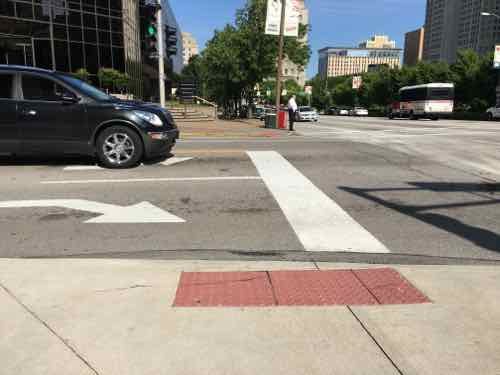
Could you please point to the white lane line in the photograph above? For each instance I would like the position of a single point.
(134, 180)
(320, 223)
(175, 160)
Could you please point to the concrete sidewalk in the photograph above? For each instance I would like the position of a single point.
(116, 317)
(228, 129)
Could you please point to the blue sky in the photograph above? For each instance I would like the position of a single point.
(333, 22)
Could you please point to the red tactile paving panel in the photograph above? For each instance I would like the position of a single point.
(390, 287)
(316, 288)
(230, 289)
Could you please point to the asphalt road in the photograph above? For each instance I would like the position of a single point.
(345, 189)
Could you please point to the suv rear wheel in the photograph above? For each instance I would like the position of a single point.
(119, 147)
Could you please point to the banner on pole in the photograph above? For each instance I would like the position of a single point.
(357, 81)
(292, 17)
(496, 60)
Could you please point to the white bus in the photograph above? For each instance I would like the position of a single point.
(432, 101)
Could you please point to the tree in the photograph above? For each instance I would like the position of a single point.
(112, 79)
(82, 74)
(240, 57)
(475, 81)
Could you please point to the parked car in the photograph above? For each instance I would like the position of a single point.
(307, 114)
(46, 112)
(259, 113)
(358, 111)
(338, 111)
(493, 113)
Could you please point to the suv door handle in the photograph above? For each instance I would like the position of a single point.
(30, 112)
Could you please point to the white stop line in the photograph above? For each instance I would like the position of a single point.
(319, 222)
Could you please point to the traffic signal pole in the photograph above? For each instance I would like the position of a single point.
(280, 58)
(161, 55)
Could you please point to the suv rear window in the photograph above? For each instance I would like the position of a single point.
(6, 81)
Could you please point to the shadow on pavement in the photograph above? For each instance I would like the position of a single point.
(46, 160)
(483, 238)
(58, 161)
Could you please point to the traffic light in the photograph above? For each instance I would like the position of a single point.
(152, 48)
(170, 41)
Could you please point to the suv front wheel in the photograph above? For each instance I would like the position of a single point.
(119, 147)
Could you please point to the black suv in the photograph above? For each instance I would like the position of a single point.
(46, 112)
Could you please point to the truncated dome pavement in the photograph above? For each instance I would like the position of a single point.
(380, 286)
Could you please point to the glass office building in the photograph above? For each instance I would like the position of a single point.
(68, 35)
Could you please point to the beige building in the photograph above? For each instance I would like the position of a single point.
(345, 61)
(414, 47)
(291, 70)
(189, 47)
(379, 41)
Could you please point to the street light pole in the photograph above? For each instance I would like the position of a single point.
(161, 54)
(489, 14)
(280, 58)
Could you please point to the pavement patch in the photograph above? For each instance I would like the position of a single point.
(380, 286)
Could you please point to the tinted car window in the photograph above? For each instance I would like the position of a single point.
(39, 88)
(85, 88)
(6, 82)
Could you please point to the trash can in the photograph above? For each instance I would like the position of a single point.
(282, 120)
(270, 121)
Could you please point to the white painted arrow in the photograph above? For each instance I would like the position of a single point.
(175, 160)
(143, 212)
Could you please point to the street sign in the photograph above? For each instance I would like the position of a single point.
(143, 212)
(308, 90)
(357, 81)
(496, 60)
(292, 16)
(187, 91)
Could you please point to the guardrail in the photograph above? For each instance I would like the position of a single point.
(208, 103)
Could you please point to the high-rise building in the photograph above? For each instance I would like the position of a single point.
(344, 61)
(189, 47)
(414, 47)
(78, 34)
(451, 25)
(290, 70)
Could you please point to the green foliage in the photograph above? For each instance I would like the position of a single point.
(473, 75)
(291, 87)
(112, 79)
(241, 56)
(82, 74)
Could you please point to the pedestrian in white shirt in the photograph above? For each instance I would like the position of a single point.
(292, 111)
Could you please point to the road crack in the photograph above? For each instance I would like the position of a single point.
(138, 286)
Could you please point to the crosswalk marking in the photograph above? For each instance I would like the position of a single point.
(319, 222)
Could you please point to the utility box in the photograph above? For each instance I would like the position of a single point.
(270, 121)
